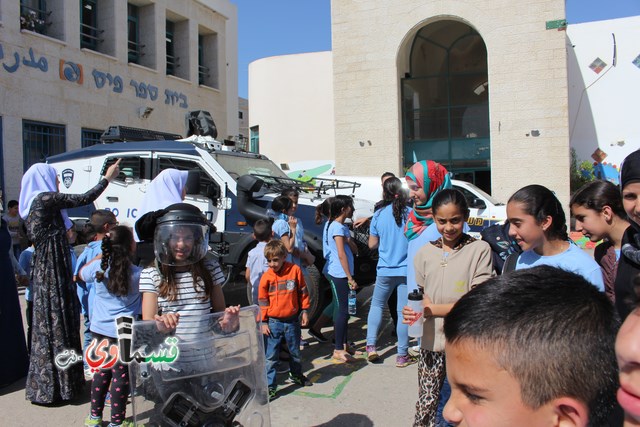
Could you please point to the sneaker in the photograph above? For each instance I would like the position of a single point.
(402, 361)
(88, 375)
(125, 423)
(414, 351)
(272, 394)
(300, 380)
(107, 400)
(92, 422)
(317, 335)
(281, 368)
(303, 344)
(372, 354)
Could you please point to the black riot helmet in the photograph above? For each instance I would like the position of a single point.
(181, 235)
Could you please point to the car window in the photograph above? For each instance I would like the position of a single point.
(206, 182)
(130, 167)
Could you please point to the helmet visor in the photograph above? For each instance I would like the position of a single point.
(179, 243)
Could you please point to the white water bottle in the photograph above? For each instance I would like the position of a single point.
(352, 302)
(415, 303)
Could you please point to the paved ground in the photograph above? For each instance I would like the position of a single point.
(359, 395)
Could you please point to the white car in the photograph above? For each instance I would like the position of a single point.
(485, 210)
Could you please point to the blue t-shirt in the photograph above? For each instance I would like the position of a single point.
(393, 244)
(25, 263)
(281, 228)
(85, 289)
(108, 307)
(574, 260)
(335, 268)
(257, 265)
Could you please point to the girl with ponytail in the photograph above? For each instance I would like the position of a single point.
(538, 224)
(117, 294)
(387, 234)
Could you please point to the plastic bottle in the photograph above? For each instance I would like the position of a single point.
(415, 302)
(352, 302)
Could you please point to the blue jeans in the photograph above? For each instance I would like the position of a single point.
(445, 394)
(383, 289)
(290, 331)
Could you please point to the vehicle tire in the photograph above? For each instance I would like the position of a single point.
(316, 292)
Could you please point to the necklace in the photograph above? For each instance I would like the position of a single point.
(445, 256)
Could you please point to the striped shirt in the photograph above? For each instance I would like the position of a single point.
(189, 301)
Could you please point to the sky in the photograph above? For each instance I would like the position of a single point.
(281, 27)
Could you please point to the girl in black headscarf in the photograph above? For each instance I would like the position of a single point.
(629, 264)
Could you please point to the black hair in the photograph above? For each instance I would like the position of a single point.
(450, 195)
(394, 194)
(262, 230)
(116, 256)
(99, 218)
(387, 175)
(597, 194)
(290, 192)
(338, 204)
(281, 204)
(540, 202)
(12, 203)
(548, 328)
(323, 210)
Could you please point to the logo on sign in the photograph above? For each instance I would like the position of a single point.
(67, 177)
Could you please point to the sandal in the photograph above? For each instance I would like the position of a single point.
(342, 358)
(353, 352)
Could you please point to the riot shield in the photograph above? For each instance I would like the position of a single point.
(200, 374)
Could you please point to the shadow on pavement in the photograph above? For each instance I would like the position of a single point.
(356, 420)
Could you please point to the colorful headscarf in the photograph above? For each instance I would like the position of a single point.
(431, 177)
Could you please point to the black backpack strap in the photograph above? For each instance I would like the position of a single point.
(510, 263)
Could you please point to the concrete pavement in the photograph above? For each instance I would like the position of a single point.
(361, 394)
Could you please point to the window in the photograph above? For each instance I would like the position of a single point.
(240, 115)
(90, 137)
(207, 58)
(203, 71)
(89, 32)
(208, 186)
(33, 15)
(171, 58)
(133, 22)
(254, 139)
(41, 140)
(130, 168)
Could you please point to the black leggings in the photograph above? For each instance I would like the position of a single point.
(118, 378)
(341, 285)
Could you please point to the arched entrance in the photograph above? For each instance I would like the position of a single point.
(445, 101)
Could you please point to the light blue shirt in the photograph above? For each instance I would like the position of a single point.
(393, 244)
(257, 265)
(25, 263)
(107, 307)
(85, 289)
(335, 268)
(574, 260)
(281, 228)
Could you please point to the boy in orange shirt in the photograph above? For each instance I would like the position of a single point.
(284, 301)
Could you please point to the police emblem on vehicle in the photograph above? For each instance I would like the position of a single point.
(67, 177)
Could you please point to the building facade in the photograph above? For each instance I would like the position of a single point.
(480, 86)
(71, 68)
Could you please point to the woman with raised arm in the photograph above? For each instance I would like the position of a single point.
(56, 320)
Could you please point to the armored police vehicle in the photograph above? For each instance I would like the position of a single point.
(236, 188)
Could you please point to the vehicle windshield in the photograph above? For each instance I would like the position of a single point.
(237, 166)
(487, 196)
